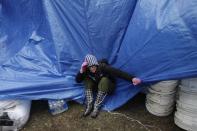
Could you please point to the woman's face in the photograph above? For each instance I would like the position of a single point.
(93, 69)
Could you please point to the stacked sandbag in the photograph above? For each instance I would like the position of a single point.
(160, 99)
(186, 114)
(14, 112)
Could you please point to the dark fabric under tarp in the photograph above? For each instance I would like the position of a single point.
(43, 43)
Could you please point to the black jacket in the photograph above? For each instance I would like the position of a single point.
(103, 70)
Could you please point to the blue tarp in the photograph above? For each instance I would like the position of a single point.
(43, 43)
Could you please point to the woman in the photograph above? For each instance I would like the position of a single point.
(101, 77)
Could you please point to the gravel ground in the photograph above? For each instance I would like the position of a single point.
(133, 116)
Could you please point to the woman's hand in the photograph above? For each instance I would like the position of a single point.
(83, 67)
(136, 81)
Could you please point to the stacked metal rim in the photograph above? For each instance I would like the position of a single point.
(186, 114)
(160, 99)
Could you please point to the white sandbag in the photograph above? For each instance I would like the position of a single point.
(159, 110)
(165, 86)
(185, 119)
(186, 124)
(5, 104)
(161, 99)
(194, 125)
(158, 107)
(18, 111)
(186, 114)
(190, 84)
(183, 123)
(161, 93)
(187, 89)
(187, 97)
(186, 106)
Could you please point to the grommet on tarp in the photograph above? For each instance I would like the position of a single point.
(35, 37)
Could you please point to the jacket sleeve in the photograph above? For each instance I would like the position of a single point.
(80, 77)
(117, 73)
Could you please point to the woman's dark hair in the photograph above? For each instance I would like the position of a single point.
(103, 61)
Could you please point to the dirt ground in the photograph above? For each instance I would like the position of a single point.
(133, 116)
